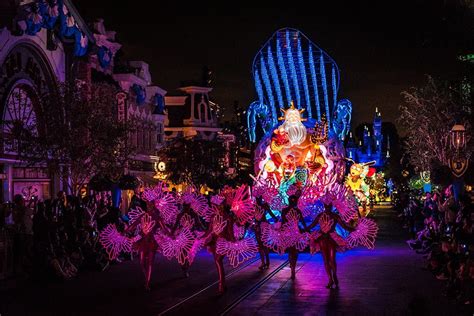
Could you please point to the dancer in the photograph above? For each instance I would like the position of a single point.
(292, 215)
(327, 240)
(262, 209)
(221, 226)
(187, 218)
(144, 226)
(146, 244)
(226, 236)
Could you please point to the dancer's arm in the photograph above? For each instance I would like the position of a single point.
(343, 224)
(314, 223)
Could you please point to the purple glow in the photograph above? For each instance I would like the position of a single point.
(365, 234)
(237, 251)
(242, 204)
(114, 242)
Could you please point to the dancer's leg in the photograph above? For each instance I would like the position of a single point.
(267, 257)
(149, 259)
(293, 257)
(333, 265)
(219, 261)
(327, 266)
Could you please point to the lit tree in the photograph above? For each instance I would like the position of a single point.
(428, 114)
(77, 134)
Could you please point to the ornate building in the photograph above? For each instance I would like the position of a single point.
(371, 146)
(45, 43)
(191, 113)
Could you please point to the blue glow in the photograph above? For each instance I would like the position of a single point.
(294, 75)
(258, 86)
(322, 70)
(334, 89)
(305, 81)
(315, 82)
(281, 66)
(342, 118)
(260, 111)
(268, 87)
(274, 74)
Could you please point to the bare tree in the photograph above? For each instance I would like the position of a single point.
(77, 134)
(428, 114)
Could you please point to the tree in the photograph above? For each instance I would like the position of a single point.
(195, 160)
(428, 114)
(76, 135)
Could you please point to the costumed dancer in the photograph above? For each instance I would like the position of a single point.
(188, 219)
(185, 239)
(226, 234)
(262, 209)
(144, 227)
(291, 215)
(285, 234)
(328, 241)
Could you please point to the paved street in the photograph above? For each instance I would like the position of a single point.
(386, 281)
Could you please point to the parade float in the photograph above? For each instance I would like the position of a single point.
(302, 149)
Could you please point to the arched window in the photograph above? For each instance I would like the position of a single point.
(19, 112)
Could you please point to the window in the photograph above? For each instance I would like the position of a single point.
(19, 111)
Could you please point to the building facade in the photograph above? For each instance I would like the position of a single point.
(44, 44)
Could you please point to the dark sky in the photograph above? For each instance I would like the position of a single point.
(381, 47)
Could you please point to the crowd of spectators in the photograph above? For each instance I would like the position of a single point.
(55, 238)
(441, 227)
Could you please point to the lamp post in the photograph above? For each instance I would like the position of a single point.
(458, 161)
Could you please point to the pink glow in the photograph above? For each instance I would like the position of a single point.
(239, 231)
(197, 202)
(134, 214)
(342, 199)
(218, 224)
(178, 246)
(364, 235)
(167, 207)
(242, 204)
(187, 221)
(114, 242)
(237, 251)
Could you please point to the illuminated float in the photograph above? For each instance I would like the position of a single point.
(300, 152)
(296, 77)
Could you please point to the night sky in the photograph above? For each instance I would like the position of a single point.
(381, 48)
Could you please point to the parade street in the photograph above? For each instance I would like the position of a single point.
(388, 280)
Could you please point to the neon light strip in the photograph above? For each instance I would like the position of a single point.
(322, 70)
(281, 66)
(315, 82)
(274, 75)
(334, 89)
(268, 87)
(305, 81)
(258, 86)
(291, 64)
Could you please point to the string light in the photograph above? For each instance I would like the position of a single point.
(305, 81)
(281, 66)
(291, 64)
(315, 82)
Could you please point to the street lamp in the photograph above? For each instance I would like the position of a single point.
(459, 160)
(458, 137)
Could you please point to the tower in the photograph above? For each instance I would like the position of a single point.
(378, 137)
(367, 141)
